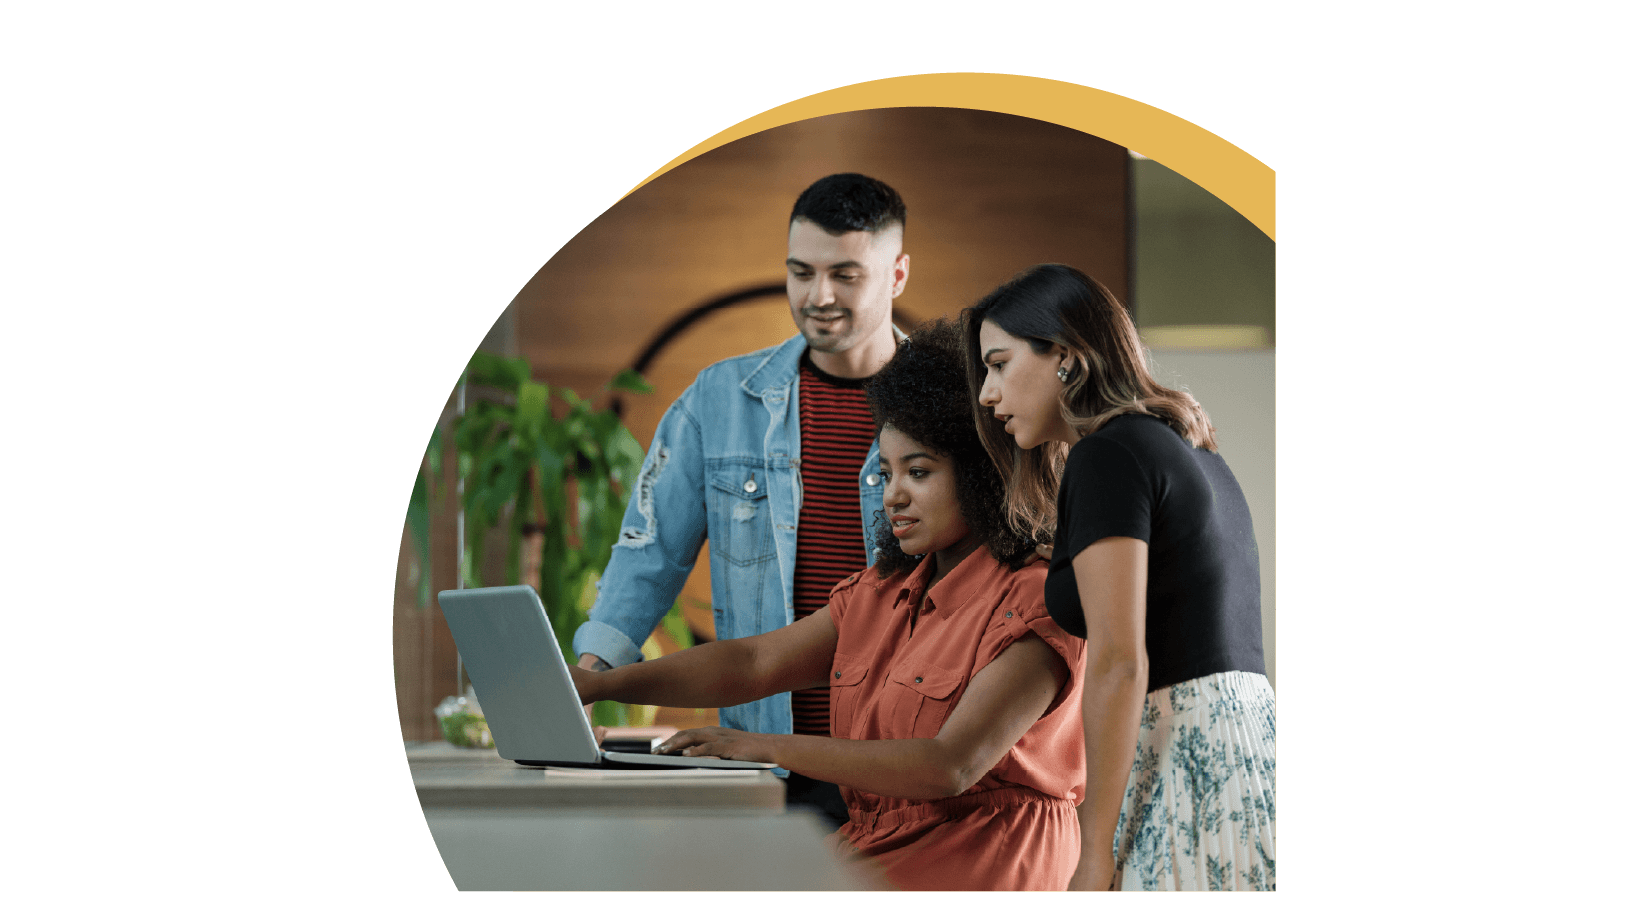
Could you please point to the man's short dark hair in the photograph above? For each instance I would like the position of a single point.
(844, 202)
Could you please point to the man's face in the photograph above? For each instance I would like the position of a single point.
(841, 286)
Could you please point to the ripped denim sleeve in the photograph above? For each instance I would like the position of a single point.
(634, 537)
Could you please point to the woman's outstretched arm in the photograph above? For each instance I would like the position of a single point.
(1001, 703)
(721, 673)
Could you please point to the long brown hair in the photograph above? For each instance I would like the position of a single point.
(1055, 305)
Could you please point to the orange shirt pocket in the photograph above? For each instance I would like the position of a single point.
(923, 697)
(846, 675)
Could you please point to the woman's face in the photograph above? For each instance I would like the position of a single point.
(919, 494)
(1022, 387)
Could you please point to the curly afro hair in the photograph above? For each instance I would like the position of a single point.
(923, 393)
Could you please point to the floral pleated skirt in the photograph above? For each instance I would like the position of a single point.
(1200, 809)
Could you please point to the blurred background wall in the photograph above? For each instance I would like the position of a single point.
(987, 195)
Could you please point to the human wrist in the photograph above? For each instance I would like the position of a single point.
(768, 749)
(592, 678)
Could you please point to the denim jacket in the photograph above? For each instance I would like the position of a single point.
(723, 468)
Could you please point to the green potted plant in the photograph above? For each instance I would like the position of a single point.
(555, 486)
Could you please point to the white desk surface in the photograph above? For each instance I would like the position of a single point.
(455, 777)
(496, 850)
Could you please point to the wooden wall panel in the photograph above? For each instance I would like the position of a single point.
(987, 195)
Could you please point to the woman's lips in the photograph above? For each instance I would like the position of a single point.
(902, 526)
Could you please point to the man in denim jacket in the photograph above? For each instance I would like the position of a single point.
(724, 464)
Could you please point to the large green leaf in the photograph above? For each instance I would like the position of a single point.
(495, 371)
(477, 427)
(531, 416)
(551, 464)
(628, 380)
(493, 481)
(521, 514)
(577, 406)
(625, 457)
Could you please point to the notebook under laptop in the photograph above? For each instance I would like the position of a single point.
(523, 684)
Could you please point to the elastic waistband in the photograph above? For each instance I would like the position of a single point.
(1236, 686)
(957, 806)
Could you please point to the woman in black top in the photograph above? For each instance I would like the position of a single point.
(1154, 562)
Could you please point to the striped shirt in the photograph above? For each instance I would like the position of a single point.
(837, 434)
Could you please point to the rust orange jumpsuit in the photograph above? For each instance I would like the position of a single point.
(1016, 828)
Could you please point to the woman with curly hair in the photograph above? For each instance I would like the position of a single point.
(1154, 563)
(955, 734)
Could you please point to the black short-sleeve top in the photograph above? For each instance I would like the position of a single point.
(1136, 477)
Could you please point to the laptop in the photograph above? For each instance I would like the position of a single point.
(518, 672)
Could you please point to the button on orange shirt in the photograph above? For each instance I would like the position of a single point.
(1015, 829)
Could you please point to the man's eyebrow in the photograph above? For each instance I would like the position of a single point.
(846, 264)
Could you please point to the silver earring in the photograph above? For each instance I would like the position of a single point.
(1064, 374)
